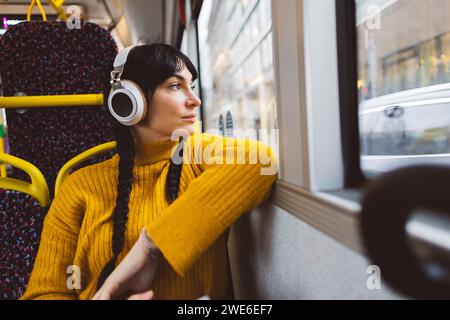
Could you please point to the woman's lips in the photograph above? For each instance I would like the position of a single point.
(190, 119)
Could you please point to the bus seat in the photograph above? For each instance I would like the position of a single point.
(48, 58)
(22, 211)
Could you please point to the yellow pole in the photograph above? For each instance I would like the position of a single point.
(69, 100)
(41, 9)
(2, 164)
(3, 170)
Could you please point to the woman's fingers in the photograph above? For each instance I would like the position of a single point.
(142, 296)
(102, 295)
(105, 294)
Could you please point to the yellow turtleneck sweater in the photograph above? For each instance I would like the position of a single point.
(191, 232)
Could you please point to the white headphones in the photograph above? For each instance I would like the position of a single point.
(127, 103)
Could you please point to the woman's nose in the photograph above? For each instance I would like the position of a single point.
(194, 101)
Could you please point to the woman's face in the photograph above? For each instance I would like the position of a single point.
(172, 106)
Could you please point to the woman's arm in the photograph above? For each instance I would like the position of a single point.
(195, 220)
(133, 277)
(215, 199)
(49, 278)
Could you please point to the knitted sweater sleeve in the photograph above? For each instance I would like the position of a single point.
(49, 278)
(234, 179)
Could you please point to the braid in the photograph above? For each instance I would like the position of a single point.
(125, 149)
(174, 174)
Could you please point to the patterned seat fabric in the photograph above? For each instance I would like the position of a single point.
(47, 58)
(21, 220)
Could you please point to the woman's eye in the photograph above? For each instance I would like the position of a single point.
(175, 86)
(193, 87)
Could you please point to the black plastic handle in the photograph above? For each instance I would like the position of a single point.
(386, 208)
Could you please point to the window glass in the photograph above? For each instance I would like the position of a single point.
(403, 82)
(237, 68)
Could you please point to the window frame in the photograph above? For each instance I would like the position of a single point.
(305, 40)
(304, 111)
(348, 94)
(192, 12)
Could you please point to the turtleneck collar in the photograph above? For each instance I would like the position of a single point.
(153, 152)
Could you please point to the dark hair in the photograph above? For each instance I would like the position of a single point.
(148, 66)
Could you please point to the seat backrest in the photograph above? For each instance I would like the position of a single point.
(48, 58)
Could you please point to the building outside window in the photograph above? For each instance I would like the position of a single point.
(235, 39)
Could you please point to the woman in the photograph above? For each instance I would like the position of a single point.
(142, 225)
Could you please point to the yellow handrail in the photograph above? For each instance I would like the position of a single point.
(67, 168)
(41, 9)
(68, 100)
(38, 187)
(3, 171)
(2, 165)
(57, 5)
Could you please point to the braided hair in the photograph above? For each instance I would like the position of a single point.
(148, 66)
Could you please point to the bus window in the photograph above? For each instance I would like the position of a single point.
(235, 41)
(403, 82)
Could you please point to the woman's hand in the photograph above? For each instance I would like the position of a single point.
(133, 277)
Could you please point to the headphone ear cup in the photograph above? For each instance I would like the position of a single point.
(128, 104)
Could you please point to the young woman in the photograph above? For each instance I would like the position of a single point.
(141, 224)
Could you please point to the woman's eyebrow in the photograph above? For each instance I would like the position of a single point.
(180, 77)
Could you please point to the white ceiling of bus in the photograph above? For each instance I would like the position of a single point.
(139, 18)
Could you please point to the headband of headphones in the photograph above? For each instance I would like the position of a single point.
(119, 64)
